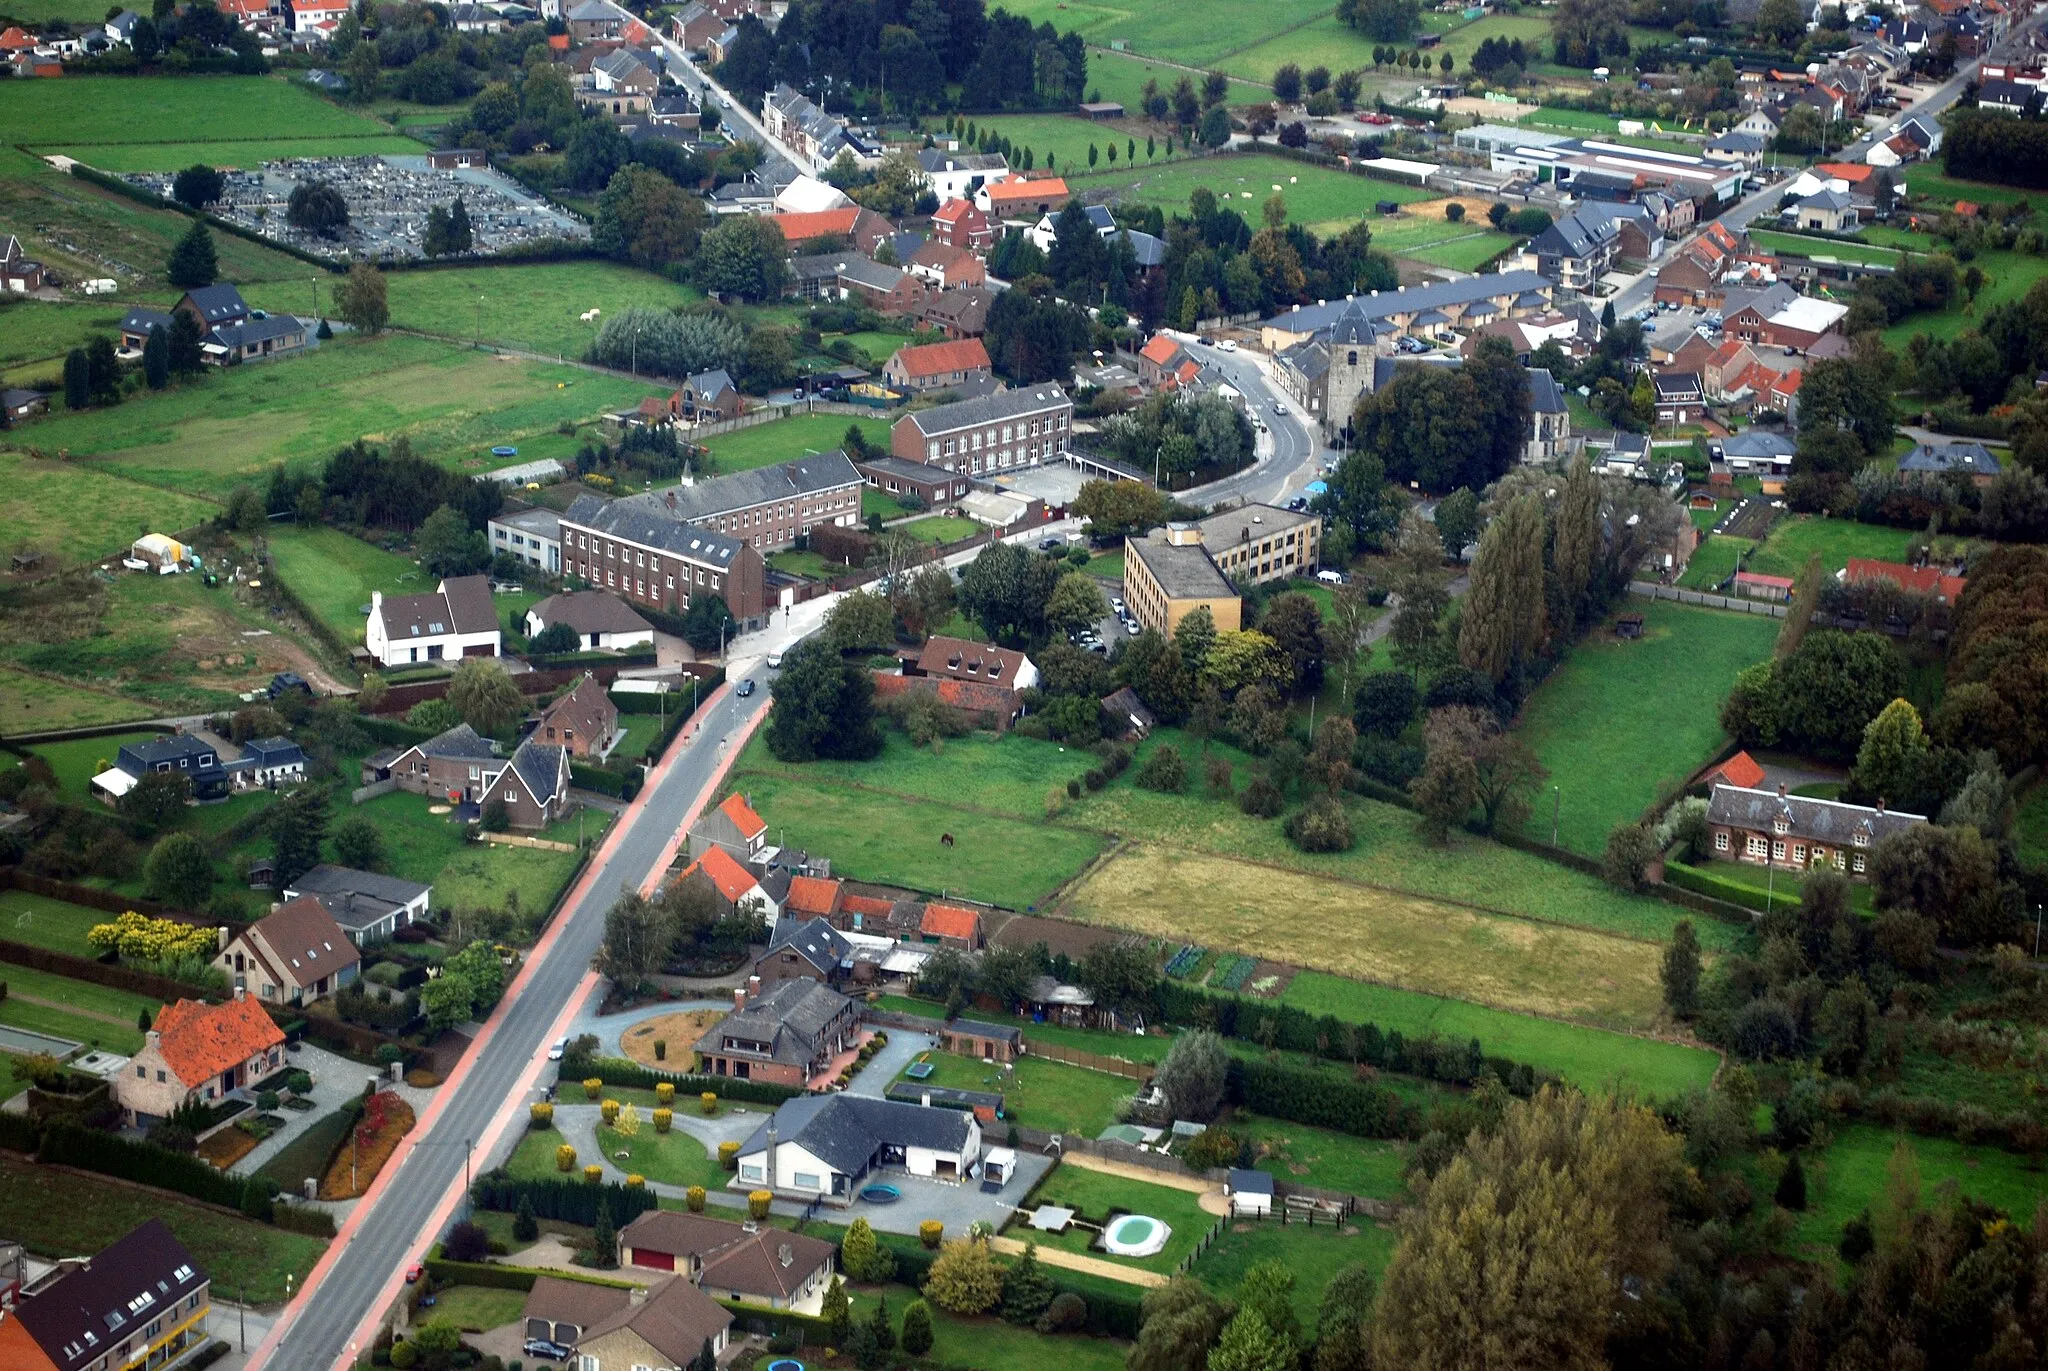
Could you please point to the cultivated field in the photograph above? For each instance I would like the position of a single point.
(1314, 195)
(334, 574)
(1373, 935)
(530, 306)
(76, 514)
(205, 438)
(1658, 703)
(785, 440)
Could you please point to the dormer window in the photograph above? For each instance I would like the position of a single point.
(1862, 838)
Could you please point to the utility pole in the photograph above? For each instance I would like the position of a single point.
(1556, 808)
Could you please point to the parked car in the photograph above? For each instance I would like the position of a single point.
(1228, 345)
(287, 681)
(774, 661)
(1279, 408)
(548, 1351)
(556, 1048)
(1330, 578)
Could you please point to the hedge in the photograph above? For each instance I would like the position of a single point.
(633, 1076)
(147, 1164)
(567, 1201)
(1282, 1090)
(392, 732)
(496, 1277)
(1721, 888)
(618, 784)
(19, 1133)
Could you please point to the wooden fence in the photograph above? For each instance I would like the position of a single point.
(1738, 604)
(1093, 1061)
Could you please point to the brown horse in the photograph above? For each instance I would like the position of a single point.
(945, 840)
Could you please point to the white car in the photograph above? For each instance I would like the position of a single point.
(774, 660)
(1331, 578)
(555, 1049)
(1228, 345)
(1279, 408)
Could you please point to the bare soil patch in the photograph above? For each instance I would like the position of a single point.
(679, 1031)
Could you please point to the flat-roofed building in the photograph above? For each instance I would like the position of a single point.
(1168, 576)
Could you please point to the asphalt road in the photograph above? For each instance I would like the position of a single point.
(320, 1324)
(1294, 458)
(738, 122)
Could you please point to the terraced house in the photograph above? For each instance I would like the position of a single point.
(637, 548)
(1016, 428)
(143, 1301)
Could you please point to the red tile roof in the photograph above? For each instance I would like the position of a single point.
(733, 880)
(1757, 578)
(951, 921)
(798, 228)
(1160, 350)
(1044, 188)
(812, 895)
(200, 1041)
(1853, 172)
(958, 659)
(1740, 770)
(975, 697)
(868, 906)
(936, 359)
(1915, 580)
(954, 210)
(750, 824)
(16, 38)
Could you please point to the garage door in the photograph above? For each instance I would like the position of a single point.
(653, 1261)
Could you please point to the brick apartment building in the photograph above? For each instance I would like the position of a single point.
(1016, 428)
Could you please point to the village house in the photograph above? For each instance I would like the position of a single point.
(1680, 397)
(455, 620)
(1763, 828)
(958, 175)
(957, 313)
(931, 487)
(784, 1033)
(1971, 460)
(180, 754)
(583, 721)
(1827, 211)
(862, 230)
(267, 763)
(805, 947)
(951, 925)
(367, 905)
(961, 224)
(1942, 585)
(729, 1261)
(938, 366)
(452, 765)
(733, 827)
(1000, 432)
(1022, 198)
(601, 621)
(1575, 251)
(23, 404)
(945, 267)
(142, 1301)
(532, 785)
(708, 397)
(960, 660)
(632, 1328)
(737, 887)
(820, 1147)
(198, 1051)
(291, 956)
(19, 274)
(532, 536)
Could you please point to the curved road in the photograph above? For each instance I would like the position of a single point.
(365, 1266)
(1295, 446)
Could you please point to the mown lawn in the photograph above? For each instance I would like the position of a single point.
(451, 403)
(674, 1158)
(1808, 245)
(118, 109)
(1795, 539)
(474, 1308)
(2007, 277)
(1037, 1093)
(43, 922)
(1122, 76)
(56, 1214)
(1320, 1156)
(1714, 561)
(1247, 180)
(1622, 721)
(1314, 1256)
(987, 1342)
(1093, 1195)
(75, 514)
(78, 760)
(785, 440)
(941, 529)
(334, 574)
(242, 153)
(1851, 1174)
(308, 1154)
(1587, 1057)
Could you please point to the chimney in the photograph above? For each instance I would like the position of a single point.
(221, 935)
(154, 1037)
(636, 1297)
(1880, 804)
(241, 993)
(784, 1255)
(739, 997)
(753, 985)
(376, 600)
(1781, 790)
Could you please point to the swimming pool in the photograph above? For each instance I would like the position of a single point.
(1135, 1235)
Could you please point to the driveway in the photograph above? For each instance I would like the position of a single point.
(885, 1066)
(336, 1081)
(610, 1027)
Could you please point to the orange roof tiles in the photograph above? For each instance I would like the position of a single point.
(824, 223)
(1915, 580)
(1160, 349)
(1852, 172)
(750, 824)
(1741, 771)
(867, 906)
(200, 1041)
(951, 921)
(1044, 188)
(812, 895)
(732, 879)
(936, 359)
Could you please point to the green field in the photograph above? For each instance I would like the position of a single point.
(242, 154)
(1795, 539)
(1805, 245)
(32, 704)
(1094, 1194)
(1587, 1057)
(785, 440)
(2030, 827)
(84, 231)
(1122, 76)
(44, 330)
(1198, 35)
(1037, 1093)
(43, 922)
(1658, 702)
(940, 529)
(1066, 139)
(987, 1342)
(76, 762)
(79, 1010)
(35, 13)
(1714, 561)
(525, 305)
(1928, 180)
(334, 574)
(1851, 1174)
(1321, 1156)
(1313, 194)
(57, 1214)
(1313, 1255)
(2007, 277)
(76, 514)
(115, 109)
(206, 437)
(1434, 239)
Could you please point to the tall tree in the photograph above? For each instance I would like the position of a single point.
(156, 358)
(1681, 971)
(192, 262)
(638, 933)
(1576, 539)
(824, 707)
(1503, 623)
(485, 695)
(361, 300)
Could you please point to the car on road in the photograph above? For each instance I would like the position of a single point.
(1279, 408)
(775, 661)
(1228, 345)
(745, 688)
(556, 1048)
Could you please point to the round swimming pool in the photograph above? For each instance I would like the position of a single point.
(876, 1194)
(1135, 1235)
(785, 1365)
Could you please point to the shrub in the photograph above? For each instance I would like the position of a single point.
(964, 1279)
(1094, 779)
(1164, 770)
(1073, 793)
(635, 1181)
(694, 1199)
(665, 1092)
(565, 1158)
(593, 1087)
(661, 1049)
(592, 1174)
(709, 1102)
(929, 1232)
(525, 1227)
(1262, 799)
(466, 1242)
(758, 1202)
(404, 1356)
(610, 1111)
(1320, 826)
(917, 1328)
(663, 1120)
(541, 1114)
(729, 1155)
(1068, 1313)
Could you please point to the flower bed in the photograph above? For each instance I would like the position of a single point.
(385, 1121)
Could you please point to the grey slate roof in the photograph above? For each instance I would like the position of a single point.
(132, 1283)
(1766, 302)
(999, 1032)
(1244, 1181)
(462, 604)
(218, 304)
(790, 1016)
(1677, 385)
(1354, 326)
(649, 526)
(845, 1131)
(268, 752)
(745, 489)
(1310, 358)
(181, 750)
(1575, 235)
(538, 521)
(257, 330)
(1826, 821)
(140, 320)
(590, 611)
(709, 385)
(1150, 251)
(540, 767)
(460, 742)
(1757, 444)
(815, 940)
(988, 409)
(1437, 295)
(1733, 141)
(1544, 395)
(355, 898)
(1971, 458)
(1829, 199)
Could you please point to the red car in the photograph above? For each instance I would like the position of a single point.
(413, 1273)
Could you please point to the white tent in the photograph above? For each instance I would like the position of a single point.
(808, 195)
(115, 782)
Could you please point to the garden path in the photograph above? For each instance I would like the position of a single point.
(1077, 1261)
(1110, 1167)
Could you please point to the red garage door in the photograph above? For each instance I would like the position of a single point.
(653, 1261)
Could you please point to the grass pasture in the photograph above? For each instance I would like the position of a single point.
(1851, 1174)
(1037, 1093)
(1122, 76)
(1314, 195)
(531, 306)
(43, 922)
(785, 440)
(1587, 1057)
(1420, 231)
(1374, 935)
(1806, 245)
(2007, 276)
(1798, 537)
(44, 330)
(1201, 35)
(334, 574)
(1313, 1255)
(114, 109)
(31, 704)
(206, 437)
(76, 514)
(1621, 722)
(1066, 139)
(243, 154)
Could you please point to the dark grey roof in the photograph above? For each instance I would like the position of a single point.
(217, 304)
(790, 1016)
(590, 611)
(1767, 301)
(1438, 295)
(14, 397)
(1758, 444)
(845, 1131)
(1544, 395)
(2003, 93)
(460, 604)
(272, 751)
(1575, 235)
(1311, 358)
(866, 271)
(745, 489)
(1734, 141)
(140, 320)
(1628, 444)
(820, 944)
(1386, 370)
(1532, 300)
(1827, 199)
(1972, 458)
(178, 749)
(1355, 326)
(1247, 1182)
(1431, 318)
(1150, 251)
(981, 1028)
(1827, 821)
(356, 899)
(132, 1283)
(638, 523)
(257, 330)
(540, 767)
(907, 470)
(1184, 572)
(1677, 385)
(989, 408)
(460, 742)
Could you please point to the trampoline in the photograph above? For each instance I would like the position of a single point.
(1135, 1235)
(514, 452)
(918, 1071)
(876, 1194)
(785, 1365)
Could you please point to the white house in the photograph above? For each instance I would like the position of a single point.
(822, 1146)
(534, 536)
(957, 175)
(456, 620)
(271, 762)
(1046, 230)
(601, 621)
